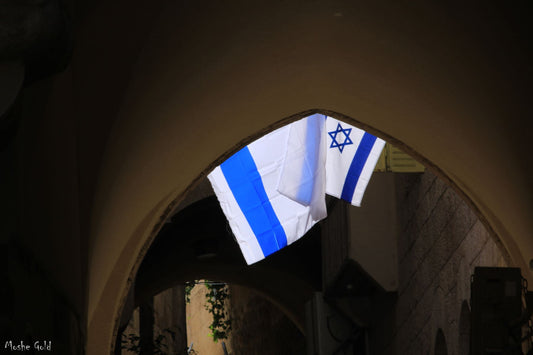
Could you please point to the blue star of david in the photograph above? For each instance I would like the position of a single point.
(347, 140)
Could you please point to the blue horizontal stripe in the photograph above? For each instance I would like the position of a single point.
(357, 165)
(247, 187)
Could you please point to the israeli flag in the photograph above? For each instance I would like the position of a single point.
(352, 155)
(272, 191)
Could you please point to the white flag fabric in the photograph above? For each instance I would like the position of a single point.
(273, 190)
(303, 175)
(352, 155)
(262, 219)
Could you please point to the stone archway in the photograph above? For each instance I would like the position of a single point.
(200, 83)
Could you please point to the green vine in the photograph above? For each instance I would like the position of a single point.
(216, 296)
(189, 285)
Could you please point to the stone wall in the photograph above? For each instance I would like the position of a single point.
(440, 242)
(259, 327)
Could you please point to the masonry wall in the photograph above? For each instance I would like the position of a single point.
(259, 327)
(440, 242)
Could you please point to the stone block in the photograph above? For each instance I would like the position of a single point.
(474, 242)
(428, 201)
(448, 276)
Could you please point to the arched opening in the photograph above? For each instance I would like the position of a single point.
(194, 241)
(440, 343)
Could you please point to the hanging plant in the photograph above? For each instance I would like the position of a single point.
(189, 285)
(216, 296)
